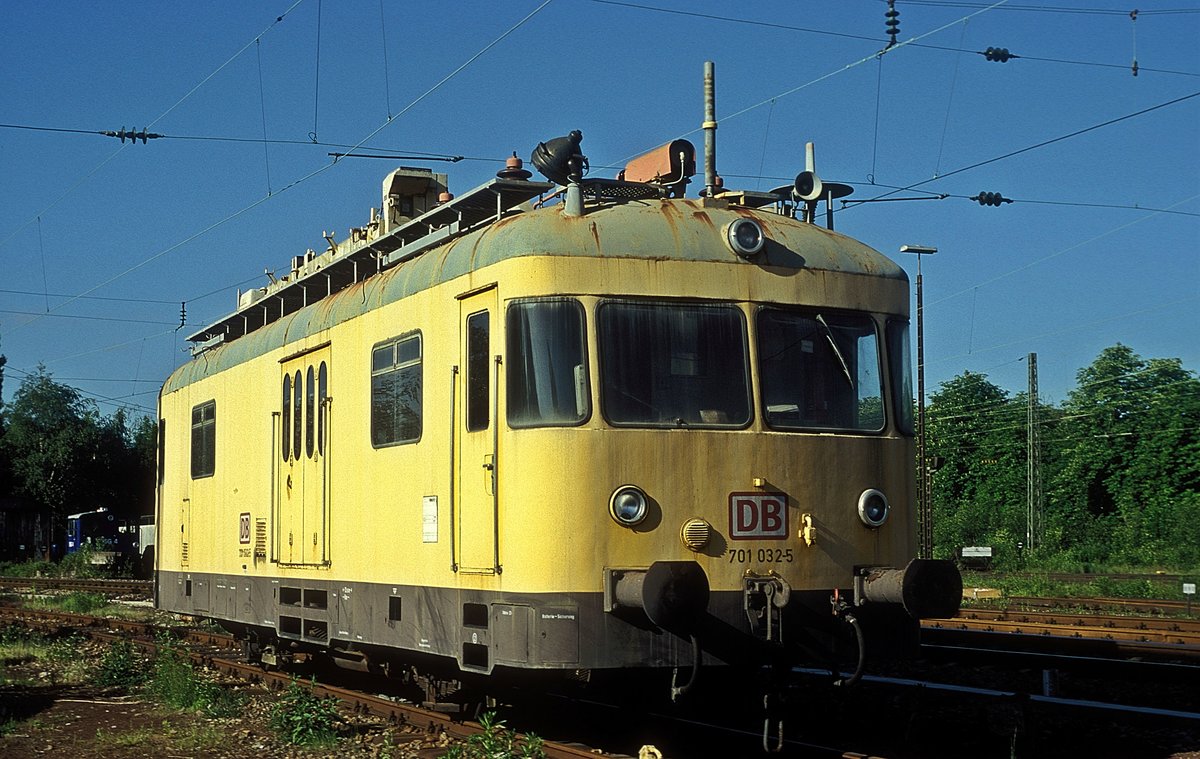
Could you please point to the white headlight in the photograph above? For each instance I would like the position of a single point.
(873, 508)
(628, 505)
(745, 237)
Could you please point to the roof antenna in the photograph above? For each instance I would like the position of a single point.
(710, 130)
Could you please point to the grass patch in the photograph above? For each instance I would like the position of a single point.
(497, 740)
(121, 667)
(28, 569)
(175, 682)
(19, 645)
(76, 602)
(142, 737)
(59, 655)
(68, 667)
(1043, 586)
(305, 719)
(200, 737)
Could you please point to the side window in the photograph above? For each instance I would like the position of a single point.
(322, 394)
(297, 412)
(547, 380)
(478, 380)
(162, 449)
(309, 416)
(900, 366)
(396, 392)
(286, 437)
(204, 439)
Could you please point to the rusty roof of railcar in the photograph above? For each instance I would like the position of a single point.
(659, 229)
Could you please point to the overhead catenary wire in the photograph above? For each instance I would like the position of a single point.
(117, 401)
(387, 85)
(949, 104)
(320, 170)
(1013, 406)
(317, 76)
(328, 127)
(279, 19)
(923, 45)
(262, 100)
(1056, 254)
(1058, 9)
(1042, 144)
(83, 317)
(988, 406)
(1074, 328)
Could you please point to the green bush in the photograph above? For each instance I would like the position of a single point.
(77, 602)
(497, 742)
(79, 564)
(120, 667)
(305, 719)
(174, 682)
(28, 569)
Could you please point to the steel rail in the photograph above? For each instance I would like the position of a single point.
(115, 587)
(1133, 604)
(1065, 630)
(1104, 621)
(398, 713)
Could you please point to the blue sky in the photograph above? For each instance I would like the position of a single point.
(101, 241)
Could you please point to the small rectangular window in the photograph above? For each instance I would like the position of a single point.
(204, 439)
(478, 379)
(396, 392)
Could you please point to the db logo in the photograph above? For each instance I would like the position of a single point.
(758, 516)
(244, 528)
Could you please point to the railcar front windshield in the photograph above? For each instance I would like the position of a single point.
(819, 370)
(547, 365)
(674, 365)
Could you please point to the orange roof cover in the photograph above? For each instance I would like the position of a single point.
(667, 164)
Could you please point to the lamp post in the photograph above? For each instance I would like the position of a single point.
(924, 496)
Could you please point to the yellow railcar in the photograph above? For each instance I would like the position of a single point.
(631, 430)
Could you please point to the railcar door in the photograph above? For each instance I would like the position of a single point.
(475, 494)
(302, 486)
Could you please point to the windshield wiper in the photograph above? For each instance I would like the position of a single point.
(836, 350)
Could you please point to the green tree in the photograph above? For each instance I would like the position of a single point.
(1129, 487)
(5, 478)
(52, 440)
(979, 491)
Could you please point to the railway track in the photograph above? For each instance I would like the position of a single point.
(221, 653)
(121, 588)
(206, 652)
(1059, 625)
(1048, 630)
(1082, 577)
(1127, 605)
(218, 652)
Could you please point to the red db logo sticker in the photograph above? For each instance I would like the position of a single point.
(758, 516)
(244, 528)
